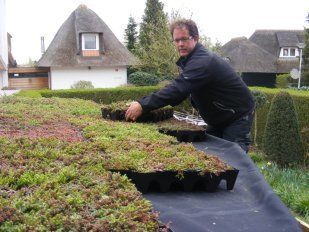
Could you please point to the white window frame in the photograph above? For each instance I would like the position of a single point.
(96, 40)
(289, 52)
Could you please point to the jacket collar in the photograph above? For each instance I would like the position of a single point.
(182, 60)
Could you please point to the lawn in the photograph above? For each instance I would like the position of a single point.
(290, 184)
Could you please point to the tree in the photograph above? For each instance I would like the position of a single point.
(30, 63)
(306, 56)
(206, 41)
(154, 21)
(156, 50)
(131, 35)
(217, 48)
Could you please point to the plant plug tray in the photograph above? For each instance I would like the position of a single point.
(182, 130)
(185, 135)
(116, 111)
(166, 181)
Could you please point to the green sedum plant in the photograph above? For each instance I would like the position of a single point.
(140, 147)
(56, 181)
(177, 125)
(55, 154)
(282, 141)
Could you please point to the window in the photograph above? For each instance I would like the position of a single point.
(90, 41)
(288, 52)
(285, 52)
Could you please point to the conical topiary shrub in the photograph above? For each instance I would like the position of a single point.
(282, 139)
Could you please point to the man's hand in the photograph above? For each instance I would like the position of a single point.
(135, 110)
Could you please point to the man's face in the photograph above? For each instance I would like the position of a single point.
(183, 41)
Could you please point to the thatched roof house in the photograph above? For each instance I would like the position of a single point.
(84, 48)
(265, 54)
(246, 56)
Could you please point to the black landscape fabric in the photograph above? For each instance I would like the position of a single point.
(251, 206)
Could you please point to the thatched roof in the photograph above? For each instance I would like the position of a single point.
(286, 65)
(65, 51)
(260, 53)
(2, 64)
(246, 56)
(290, 38)
(273, 40)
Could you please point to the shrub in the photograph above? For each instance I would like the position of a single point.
(82, 85)
(143, 79)
(282, 139)
(283, 81)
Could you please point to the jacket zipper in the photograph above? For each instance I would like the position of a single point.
(222, 107)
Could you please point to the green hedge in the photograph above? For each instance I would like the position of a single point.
(102, 96)
(109, 95)
(301, 101)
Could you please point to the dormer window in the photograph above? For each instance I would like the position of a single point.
(289, 52)
(90, 44)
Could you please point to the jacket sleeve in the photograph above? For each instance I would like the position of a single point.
(172, 94)
(194, 76)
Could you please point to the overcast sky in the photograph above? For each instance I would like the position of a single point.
(220, 20)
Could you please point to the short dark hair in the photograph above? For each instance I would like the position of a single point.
(189, 24)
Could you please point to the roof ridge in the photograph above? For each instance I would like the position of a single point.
(278, 30)
(82, 6)
(239, 38)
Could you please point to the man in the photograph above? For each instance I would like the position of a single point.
(217, 92)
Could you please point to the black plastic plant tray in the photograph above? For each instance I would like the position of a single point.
(119, 115)
(186, 135)
(166, 181)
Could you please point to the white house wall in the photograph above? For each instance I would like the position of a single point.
(64, 78)
(3, 44)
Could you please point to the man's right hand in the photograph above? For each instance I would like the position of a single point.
(135, 110)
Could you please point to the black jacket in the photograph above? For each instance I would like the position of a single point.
(217, 92)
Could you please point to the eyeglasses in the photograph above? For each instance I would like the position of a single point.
(184, 39)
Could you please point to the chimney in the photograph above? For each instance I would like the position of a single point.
(42, 45)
